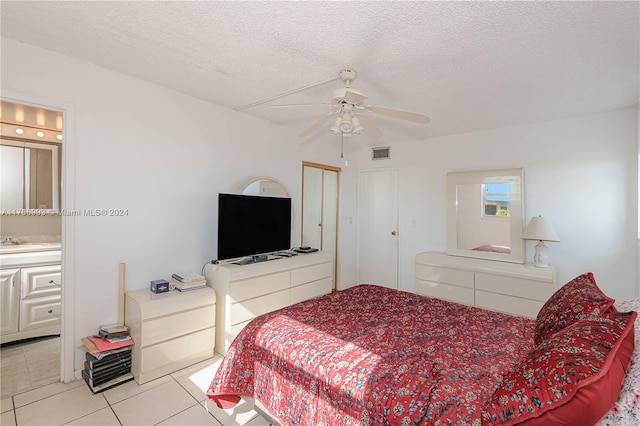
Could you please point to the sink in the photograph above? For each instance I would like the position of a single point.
(29, 247)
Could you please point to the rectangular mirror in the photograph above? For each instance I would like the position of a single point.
(485, 215)
(29, 175)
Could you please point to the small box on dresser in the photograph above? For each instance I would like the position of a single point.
(171, 330)
(513, 288)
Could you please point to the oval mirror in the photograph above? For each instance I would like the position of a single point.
(265, 186)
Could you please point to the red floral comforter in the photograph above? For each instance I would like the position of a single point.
(371, 355)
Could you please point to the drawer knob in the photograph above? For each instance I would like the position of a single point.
(50, 311)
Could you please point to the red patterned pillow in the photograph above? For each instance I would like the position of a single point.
(577, 299)
(572, 378)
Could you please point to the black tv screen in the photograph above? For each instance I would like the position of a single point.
(250, 225)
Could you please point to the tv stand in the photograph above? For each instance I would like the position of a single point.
(244, 292)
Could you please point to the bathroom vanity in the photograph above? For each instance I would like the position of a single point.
(30, 282)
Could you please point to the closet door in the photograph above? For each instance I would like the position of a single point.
(320, 209)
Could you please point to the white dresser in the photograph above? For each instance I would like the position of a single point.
(247, 291)
(171, 330)
(500, 286)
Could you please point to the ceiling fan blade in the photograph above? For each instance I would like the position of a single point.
(354, 97)
(396, 113)
(317, 124)
(300, 105)
(369, 128)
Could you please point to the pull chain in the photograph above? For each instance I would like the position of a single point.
(346, 162)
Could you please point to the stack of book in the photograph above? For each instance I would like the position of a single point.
(108, 357)
(188, 281)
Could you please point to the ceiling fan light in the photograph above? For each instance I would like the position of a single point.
(357, 128)
(336, 126)
(346, 126)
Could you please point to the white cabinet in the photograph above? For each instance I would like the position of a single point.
(500, 286)
(10, 282)
(171, 330)
(247, 291)
(31, 295)
(40, 301)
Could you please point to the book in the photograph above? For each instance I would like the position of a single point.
(95, 388)
(187, 277)
(191, 288)
(107, 335)
(117, 357)
(181, 286)
(114, 328)
(105, 345)
(92, 349)
(108, 372)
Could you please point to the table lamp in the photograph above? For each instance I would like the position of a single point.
(540, 229)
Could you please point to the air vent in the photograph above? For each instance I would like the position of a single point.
(381, 153)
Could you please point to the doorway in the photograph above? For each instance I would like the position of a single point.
(378, 227)
(320, 185)
(66, 170)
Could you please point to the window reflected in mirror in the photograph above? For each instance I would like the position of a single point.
(485, 215)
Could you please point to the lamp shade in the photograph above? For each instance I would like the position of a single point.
(540, 229)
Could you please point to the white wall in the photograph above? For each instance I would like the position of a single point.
(581, 173)
(163, 157)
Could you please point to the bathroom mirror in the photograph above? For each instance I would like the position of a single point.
(485, 215)
(265, 186)
(29, 175)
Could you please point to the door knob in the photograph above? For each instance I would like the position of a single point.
(394, 233)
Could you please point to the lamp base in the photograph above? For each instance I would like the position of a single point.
(541, 256)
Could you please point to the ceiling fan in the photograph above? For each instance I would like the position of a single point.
(349, 109)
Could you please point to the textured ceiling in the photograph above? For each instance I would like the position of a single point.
(467, 65)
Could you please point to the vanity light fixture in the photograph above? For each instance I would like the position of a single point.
(19, 131)
(40, 134)
(541, 230)
(59, 136)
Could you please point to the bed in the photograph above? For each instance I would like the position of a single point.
(371, 355)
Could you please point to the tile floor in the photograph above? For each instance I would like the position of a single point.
(176, 399)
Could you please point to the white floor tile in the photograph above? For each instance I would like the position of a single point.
(6, 404)
(154, 405)
(45, 392)
(239, 415)
(8, 418)
(104, 417)
(129, 389)
(194, 416)
(61, 408)
(259, 421)
(198, 381)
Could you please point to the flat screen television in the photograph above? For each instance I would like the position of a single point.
(250, 225)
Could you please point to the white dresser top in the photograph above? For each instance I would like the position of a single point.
(518, 270)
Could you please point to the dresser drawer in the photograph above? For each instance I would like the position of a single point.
(310, 290)
(509, 304)
(311, 273)
(40, 281)
(165, 328)
(40, 312)
(173, 351)
(456, 277)
(254, 287)
(512, 286)
(251, 308)
(452, 293)
(235, 330)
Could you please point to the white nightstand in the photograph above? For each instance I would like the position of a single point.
(171, 330)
